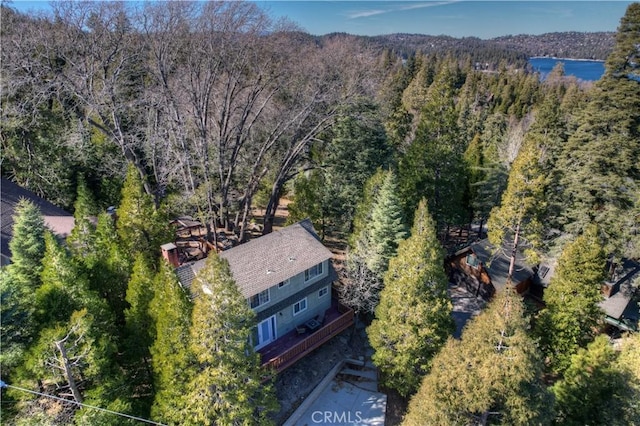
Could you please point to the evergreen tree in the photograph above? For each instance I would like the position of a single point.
(75, 349)
(518, 220)
(413, 319)
(572, 314)
(227, 388)
(172, 361)
(629, 363)
(141, 227)
(107, 266)
(493, 373)
(27, 246)
(81, 239)
(594, 390)
(378, 242)
(433, 167)
(140, 332)
(357, 149)
(362, 216)
(308, 200)
(600, 163)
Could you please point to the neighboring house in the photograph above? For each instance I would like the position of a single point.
(286, 277)
(621, 305)
(59, 221)
(484, 270)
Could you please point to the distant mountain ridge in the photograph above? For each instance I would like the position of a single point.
(575, 45)
(572, 44)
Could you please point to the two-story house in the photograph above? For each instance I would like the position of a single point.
(286, 277)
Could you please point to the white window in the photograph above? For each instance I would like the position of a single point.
(283, 283)
(472, 260)
(313, 272)
(300, 306)
(323, 291)
(260, 299)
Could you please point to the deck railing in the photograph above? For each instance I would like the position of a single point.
(293, 354)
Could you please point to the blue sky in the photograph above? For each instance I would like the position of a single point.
(484, 19)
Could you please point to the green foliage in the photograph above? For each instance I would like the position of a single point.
(379, 240)
(601, 170)
(357, 149)
(172, 361)
(518, 219)
(571, 316)
(595, 389)
(362, 216)
(107, 266)
(492, 375)
(16, 323)
(27, 246)
(413, 319)
(433, 167)
(141, 227)
(63, 288)
(80, 240)
(140, 331)
(308, 200)
(227, 388)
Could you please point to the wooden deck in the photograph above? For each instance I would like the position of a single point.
(291, 347)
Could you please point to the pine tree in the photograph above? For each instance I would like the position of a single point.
(362, 216)
(629, 363)
(81, 239)
(600, 163)
(493, 372)
(357, 149)
(107, 266)
(387, 228)
(413, 319)
(227, 388)
(141, 227)
(27, 246)
(517, 222)
(433, 167)
(571, 315)
(172, 361)
(595, 389)
(140, 332)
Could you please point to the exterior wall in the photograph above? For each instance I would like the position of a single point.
(287, 321)
(316, 305)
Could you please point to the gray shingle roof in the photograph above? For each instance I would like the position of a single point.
(497, 264)
(268, 260)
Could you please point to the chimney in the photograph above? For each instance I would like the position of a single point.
(170, 254)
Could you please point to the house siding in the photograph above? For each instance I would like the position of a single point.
(282, 300)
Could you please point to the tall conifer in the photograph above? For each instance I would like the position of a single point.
(493, 373)
(172, 361)
(227, 388)
(571, 315)
(413, 319)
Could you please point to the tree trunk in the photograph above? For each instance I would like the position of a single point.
(67, 372)
(514, 253)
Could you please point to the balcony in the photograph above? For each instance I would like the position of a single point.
(291, 347)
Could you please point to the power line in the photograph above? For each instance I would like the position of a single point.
(140, 419)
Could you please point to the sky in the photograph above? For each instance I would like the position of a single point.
(456, 18)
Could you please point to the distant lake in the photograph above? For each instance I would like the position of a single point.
(581, 69)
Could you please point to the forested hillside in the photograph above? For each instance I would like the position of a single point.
(211, 109)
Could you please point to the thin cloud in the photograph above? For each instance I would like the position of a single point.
(390, 9)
